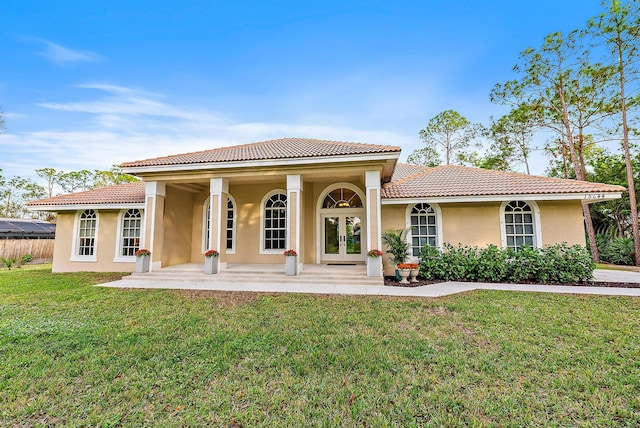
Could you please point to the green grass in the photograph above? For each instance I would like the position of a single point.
(72, 354)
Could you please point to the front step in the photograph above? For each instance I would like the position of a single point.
(315, 276)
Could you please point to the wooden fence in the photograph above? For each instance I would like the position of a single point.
(40, 249)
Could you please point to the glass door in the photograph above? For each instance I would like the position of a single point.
(342, 238)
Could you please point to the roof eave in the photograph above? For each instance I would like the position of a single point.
(79, 206)
(385, 156)
(585, 197)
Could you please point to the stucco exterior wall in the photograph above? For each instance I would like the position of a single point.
(106, 243)
(562, 221)
(178, 215)
(478, 224)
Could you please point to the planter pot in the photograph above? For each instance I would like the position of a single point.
(404, 274)
(413, 275)
(374, 266)
(142, 264)
(291, 265)
(210, 265)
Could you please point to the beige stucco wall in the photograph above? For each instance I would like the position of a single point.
(178, 214)
(105, 245)
(562, 221)
(478, 224)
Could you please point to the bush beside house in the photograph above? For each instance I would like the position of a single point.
(559, 263)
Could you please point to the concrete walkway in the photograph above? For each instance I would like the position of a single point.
(434, 290)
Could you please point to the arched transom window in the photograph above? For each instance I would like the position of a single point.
(87, 233)
(342, 198)
(424, 229)
(275, 222)
(519, 225)
(131, 227)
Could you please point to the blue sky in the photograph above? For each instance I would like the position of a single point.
(88, 84)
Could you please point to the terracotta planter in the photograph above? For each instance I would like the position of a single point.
(404, 274)
(374, 266)
(413, 275)
(142, 264)
(291, 265)
(211, 265)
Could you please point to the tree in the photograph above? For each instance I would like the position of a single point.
(450, 132)
(52, 178)
(619, 29)
(510, 138)
(426, 156)
(565, 93)
(111, 177)
(2, 126)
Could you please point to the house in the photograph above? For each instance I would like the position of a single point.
(327, 200)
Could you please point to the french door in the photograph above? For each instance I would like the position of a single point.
(342, 235)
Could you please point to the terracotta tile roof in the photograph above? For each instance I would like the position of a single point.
(411, 181)
(129, 193)
(284, 148)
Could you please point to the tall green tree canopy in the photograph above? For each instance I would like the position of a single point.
(448, 133)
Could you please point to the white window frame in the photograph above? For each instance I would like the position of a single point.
(537, 229)
(119, 258)
(75, 257)
(409, 237)
(206, 222)
(263, 204)
(231, 250)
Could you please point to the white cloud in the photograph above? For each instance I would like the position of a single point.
(61, 55)
(127, 124)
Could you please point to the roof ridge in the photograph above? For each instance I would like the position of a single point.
(426, 170)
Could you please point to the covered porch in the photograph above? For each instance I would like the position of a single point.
(327, 216)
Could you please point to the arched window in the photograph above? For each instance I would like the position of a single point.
(423, 228)
(131, 230)
(519, 225)
(230, 241)
(274, 222)
(342, 198)
(86, 239)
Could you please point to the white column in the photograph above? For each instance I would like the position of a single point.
(218, 188)
(294, 218)
(153, 235)
(374, 224)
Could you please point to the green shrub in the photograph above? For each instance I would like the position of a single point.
(559, 263)
(8, 262)
(27, 258)
(619, 251)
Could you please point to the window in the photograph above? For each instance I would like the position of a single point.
(275, 222)
(131, 229)
(342, 198)
(86, 238)
(230, 226)
(423, 227)
(206, 229)
(519, 225)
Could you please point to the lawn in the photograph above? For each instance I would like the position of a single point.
(73, 354)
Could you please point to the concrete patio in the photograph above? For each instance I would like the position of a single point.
(352, 280)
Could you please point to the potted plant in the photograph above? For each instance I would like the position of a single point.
(143, 259)
(414, 270)
(404, 269)
(374, 263)
(291, 263)
(397, 246)
(211, 262)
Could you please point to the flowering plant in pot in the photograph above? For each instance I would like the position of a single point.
(143, 260)
(374, 263)
(413, 270)
(291, 262)
(211, 262)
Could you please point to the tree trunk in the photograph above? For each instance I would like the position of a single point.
(627, 158)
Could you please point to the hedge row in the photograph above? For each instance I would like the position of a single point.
(559, 264)
(619, 251)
